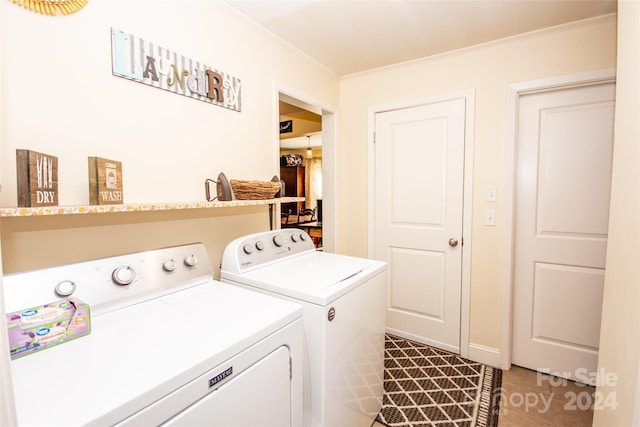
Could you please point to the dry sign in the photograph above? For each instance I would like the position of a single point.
(136, 59)
(37, 177)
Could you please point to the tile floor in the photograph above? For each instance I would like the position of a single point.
(532, 399)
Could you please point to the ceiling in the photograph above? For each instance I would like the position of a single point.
(350, 36)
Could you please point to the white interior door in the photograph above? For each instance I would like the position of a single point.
(419, 165)
(565, 147)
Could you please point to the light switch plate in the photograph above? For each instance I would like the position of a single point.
(490, 217)
(491, 194)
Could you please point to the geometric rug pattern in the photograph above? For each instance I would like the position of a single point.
(425, 386)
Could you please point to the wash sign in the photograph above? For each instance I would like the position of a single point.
(153, 65)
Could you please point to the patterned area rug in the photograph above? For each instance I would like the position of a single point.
(426, 386)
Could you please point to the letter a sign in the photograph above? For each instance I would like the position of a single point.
(135, 59)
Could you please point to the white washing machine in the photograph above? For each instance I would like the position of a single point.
(343, 300)
(168, 346)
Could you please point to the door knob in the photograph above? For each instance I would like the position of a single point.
(453, 242)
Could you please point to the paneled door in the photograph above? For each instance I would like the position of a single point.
(419, 165)
(564, 158)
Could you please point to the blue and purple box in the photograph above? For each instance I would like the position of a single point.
(48, 325)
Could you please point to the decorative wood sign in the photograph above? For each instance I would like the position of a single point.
(144, 62)
(105, 181)
(37, 175)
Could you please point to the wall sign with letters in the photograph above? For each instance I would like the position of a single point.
(145, 62)
(37, 178)
(105, 181)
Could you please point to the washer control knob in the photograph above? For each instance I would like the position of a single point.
(294, 238)
(303, 236)
(170, 265)
(65, 288)
(190, 260)
(247, 248)
(259, 245)
(123, 275)
(277, 240)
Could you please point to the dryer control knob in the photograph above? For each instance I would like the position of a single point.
(170, 265)
(259, 245)
(277, 240)
(247, 248)
(294, 238)
(65, 288)
(190, 260)
(303, 237)
(123, 275)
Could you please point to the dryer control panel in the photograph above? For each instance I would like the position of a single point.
(259, 249)
(107, 284)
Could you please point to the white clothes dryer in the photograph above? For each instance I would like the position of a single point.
(343, 301)
(168, 346)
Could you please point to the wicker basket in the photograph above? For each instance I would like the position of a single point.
(254, 190)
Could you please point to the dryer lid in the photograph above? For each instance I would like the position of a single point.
(136, 355)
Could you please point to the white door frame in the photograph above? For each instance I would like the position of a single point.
(467, 209)
(515, 91)
(329, 159)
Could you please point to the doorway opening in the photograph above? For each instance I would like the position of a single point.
(306, 163)
(301, 169)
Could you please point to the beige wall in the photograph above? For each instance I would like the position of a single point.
(64, 101)
(619, 339)
(489, 70)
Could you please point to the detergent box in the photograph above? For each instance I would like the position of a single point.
(45, 326)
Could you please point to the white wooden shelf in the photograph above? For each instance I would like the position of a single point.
(137, 207)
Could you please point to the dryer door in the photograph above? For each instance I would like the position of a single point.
(259, 396)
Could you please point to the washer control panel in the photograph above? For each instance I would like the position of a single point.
(257, 249)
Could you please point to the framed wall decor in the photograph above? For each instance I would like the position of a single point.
(286, 126)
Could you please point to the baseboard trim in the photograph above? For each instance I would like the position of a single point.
(477, 353)
(423, 340)
(487, 355)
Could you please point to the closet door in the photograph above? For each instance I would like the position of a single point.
(419, 171)
(565, 149)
